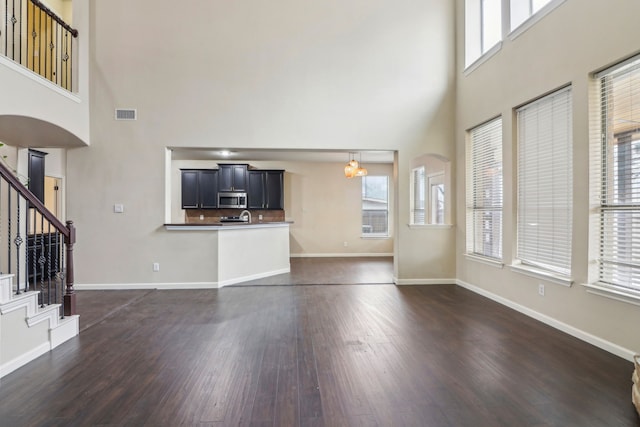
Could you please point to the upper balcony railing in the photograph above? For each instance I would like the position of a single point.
(35, 37)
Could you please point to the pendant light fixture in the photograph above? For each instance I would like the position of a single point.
(360, 171)
(353, 167)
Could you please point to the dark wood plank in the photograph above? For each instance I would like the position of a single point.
(366, 355)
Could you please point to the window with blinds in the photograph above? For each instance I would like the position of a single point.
(545, 184)
(484, 190)
(618, 169)
(418, 216)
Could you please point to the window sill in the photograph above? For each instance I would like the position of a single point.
(613, 292)
(542, 274)
(534, 19)
(419, 226)
(375, 237)
(485, 260)
(484, 58)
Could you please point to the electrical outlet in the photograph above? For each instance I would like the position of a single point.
(201, 217)
(259, 217)
(541, 289)
(156, 266)
(118, 208)
(346, 244)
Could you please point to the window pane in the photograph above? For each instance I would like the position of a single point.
(418, 208)
(491, 23)
(375, 205)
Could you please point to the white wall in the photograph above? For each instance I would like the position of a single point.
(566, 46)
(334, 74)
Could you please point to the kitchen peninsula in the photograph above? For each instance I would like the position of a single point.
(239, 212)
(245, 251)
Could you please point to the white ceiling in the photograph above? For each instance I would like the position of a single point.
(245, 155)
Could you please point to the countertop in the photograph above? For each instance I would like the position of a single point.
(225, 226)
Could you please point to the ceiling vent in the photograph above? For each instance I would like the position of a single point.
(126, 114)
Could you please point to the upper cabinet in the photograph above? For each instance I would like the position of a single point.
(266, 189)
(199, 188)
(232, 177)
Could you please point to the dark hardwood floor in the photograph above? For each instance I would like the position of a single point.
(341, 355)
(332, 271)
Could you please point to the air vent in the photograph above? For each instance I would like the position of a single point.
(126, 114)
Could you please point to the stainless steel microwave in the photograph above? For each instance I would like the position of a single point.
(232, 200)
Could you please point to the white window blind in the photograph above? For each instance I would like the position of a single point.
(545, 183)
(618, 169)
(484, 190)
(418, 207)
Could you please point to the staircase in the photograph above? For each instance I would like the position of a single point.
(28, 330)
(37, 300)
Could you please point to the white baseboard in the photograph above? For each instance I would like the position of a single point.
(24, 358)
(66, 329)
(408, 282)
(554, 323)
(149, 286)
(340, 255)
(253, 277)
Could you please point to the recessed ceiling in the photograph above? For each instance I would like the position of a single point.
(245, 155)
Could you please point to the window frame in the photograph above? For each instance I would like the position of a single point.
(379, 235)
(606, 187)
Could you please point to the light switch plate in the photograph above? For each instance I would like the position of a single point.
(118, 208)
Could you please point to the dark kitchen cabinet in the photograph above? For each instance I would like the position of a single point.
(199, 188)
(266, 189)
(232, 177)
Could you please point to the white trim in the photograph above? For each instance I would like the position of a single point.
(575, 332)
(68, 328)
(482, 59)
(23, 359)
(252, 277)
(534, 19)
(611, 292)
(339, 255)
(375, 236)
(409, 282)
(485, 260)
(38, 79)
(429, 226)
(539, 273)
(149, 286)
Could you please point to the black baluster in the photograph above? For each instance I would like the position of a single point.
(70, 86)
(18, 242)
(34, 252)
(26, 249)
(42, 259)
(56, 54)
(13, 30)
(49, 264)
(9, 230)
(34, 34)
(63, 281)
(56, 265)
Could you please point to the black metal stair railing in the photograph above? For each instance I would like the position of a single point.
(35, 246)
(38, 39)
